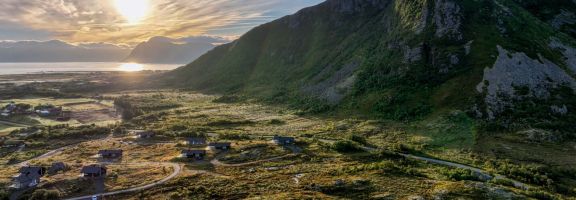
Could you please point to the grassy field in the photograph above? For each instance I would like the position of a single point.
(53, 101)
(84, 111)
(6, 129)
(319, 169)
(322, 170)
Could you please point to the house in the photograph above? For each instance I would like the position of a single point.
(8, 110)
(65, 116)
(196, 141)
(29, 176)
(10, 107)
(110, 153)
(12, 143)
(197, 154)
(93, 171)
(219, 145)
(281, 140)
(143, 133)
(56, 167)
(46, 111)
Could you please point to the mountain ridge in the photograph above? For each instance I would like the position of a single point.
(172, 51)
(403, 60)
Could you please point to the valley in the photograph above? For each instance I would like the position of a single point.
(343, 99)
(332, 157)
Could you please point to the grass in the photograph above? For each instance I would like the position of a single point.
(53, 101)
(254, 151)
(450, 135)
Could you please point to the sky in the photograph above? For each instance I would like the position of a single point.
(133, 21)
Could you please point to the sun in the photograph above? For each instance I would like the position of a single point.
(133, 10)
(131, 67)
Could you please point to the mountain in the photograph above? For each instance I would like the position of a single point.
(508, 63)
(174, 51)
(59, 51)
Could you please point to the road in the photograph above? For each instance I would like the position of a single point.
(175, 166)
(482, 174)
(55, 151)
(296, 150)
(9, 123)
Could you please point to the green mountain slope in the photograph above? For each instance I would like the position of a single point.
(508, 62)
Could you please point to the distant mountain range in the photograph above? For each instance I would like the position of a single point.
(173, 51)
(156, 50)
(59, 51)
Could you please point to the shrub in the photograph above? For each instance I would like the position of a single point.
(42, 194)
(233, 136)
(460, 174)
(277, 122)
(358, 138)
(229, 99)
(346, 146)
(4, 195)
(502, 181)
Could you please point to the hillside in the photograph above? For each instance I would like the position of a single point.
(173, 51)
(408, 59)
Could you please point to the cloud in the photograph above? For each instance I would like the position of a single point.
(98, 20)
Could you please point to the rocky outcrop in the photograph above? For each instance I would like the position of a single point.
(512, 71)
(334, 88)
(565, 17)
(448, 19)
(538, 135)
(352, 6)
(568, 52)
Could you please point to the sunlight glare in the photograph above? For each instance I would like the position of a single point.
(133, 10)
(131, 67)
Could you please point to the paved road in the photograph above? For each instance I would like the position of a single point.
(9, 123)
(175, 166)
(482, 174)
(55, 151)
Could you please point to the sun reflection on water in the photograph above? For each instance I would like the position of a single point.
(131, 67)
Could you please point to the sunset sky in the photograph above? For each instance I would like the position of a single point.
(132, 21)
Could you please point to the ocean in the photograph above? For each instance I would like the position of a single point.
(34, 68)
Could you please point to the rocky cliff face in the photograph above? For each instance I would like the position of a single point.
(404, 59)
(171, 51)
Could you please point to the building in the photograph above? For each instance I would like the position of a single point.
(93, 171)
(196, 154)
(29, 176)
(196, 141)
(283, 140)
(219, 145)
(49, 111)
(110, 153)
(57, 167)
(64, 116)
(143, 133)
